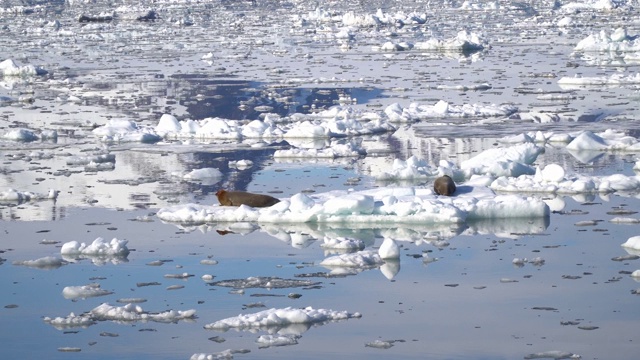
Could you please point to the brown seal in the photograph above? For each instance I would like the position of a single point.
(444, 185)
(237, 198)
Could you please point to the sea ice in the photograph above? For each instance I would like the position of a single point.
(84, 291)
(281, 318)
(99, 247)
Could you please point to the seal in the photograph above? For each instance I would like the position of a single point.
(444, 185)
(237, 198)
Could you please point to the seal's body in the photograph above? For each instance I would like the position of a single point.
(237, 198)
(444, 185)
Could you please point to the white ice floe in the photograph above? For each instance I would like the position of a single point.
(9, 68)
(362, 259)
(99, 247)
(376, 206)
(608, 140)
(464, 42)
(342, 243)
(222, 355)
(614, 80)
(576, 6)
(97, 159)
(414, 168)
(389, 249)
(632, 244)
(207, 176)
(117, 130)
(12, 195)
(614, 41)
(442, 109)
(241, 164)
(280, 318)
(335, 122)
(46, 263)
(128, 313)
(277, 340)
(512, 161)
(84, 291)
(552, 179)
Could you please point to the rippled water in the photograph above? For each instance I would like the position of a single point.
(457, 296)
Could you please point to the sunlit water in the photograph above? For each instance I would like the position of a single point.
(460, 297)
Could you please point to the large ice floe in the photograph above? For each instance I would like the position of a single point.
(126, 313)
(276, 319)
(410, 205)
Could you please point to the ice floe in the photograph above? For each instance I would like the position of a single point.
(125, 313)
(615, 41)
(12, 195)
(9, 68)
(84, 291)
(443, 109)
(99, 251)
(390, 205)
(279, 318)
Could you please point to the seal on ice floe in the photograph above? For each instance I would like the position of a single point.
(444, 185)
(237, 198)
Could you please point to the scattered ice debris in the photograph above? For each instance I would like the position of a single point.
(554, 354)
(84, 291)
(265, 341)
(117, 130)
(99, 250)
(614, 80)
(86, 160)
(281, 318)
(128, 313)
(442, 109)
(389, 250)
(263, 282)
(335, 151)
(223, 355)
(614, 41)
(9, 68)
(207, 277)
(552, 179)
(45, 263)
(12, 195)
(411, 169)
(464, 42)
(335, 122)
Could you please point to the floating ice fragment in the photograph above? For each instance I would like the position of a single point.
(281, 317)
(633, 243)
(46, 263)
(84, 291)
(389, 249)
(555, 354)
